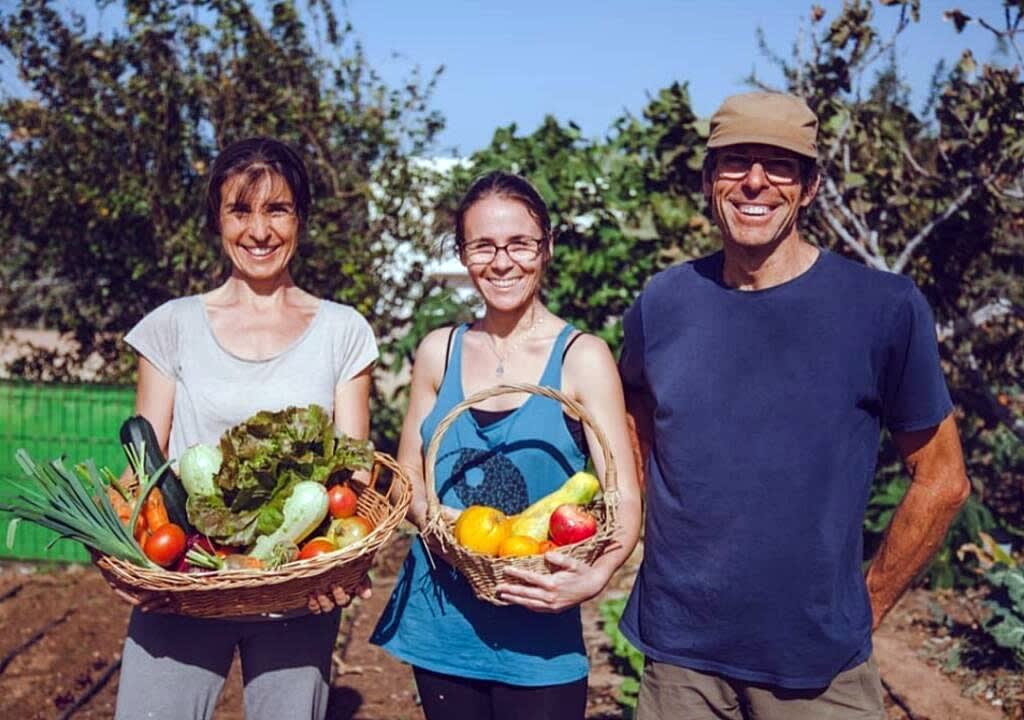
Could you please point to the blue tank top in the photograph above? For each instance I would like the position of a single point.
(433, 620)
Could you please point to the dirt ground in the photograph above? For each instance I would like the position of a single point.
(62, 630)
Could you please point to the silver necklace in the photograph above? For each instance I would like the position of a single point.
(500, 369)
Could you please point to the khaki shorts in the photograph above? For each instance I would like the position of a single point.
(669, 692)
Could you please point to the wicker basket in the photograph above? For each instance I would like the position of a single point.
(234, 593)
(485, 572)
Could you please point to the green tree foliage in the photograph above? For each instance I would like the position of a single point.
(102, 177)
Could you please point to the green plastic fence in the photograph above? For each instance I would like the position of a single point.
(77, 421)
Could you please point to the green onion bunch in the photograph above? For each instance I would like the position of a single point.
(74, 504)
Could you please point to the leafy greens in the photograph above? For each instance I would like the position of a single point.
(263, 459)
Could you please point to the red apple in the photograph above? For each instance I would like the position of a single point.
(570, 524)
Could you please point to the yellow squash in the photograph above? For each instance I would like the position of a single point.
(533, 521)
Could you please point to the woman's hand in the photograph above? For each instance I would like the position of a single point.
(572, 583)
(145, 601)
(321, 602)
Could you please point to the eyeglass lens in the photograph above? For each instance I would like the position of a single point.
(778, 169)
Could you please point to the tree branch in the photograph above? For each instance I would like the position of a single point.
(840, 136)
(922, 235)
(913, 163)
(848, 239)
(873, 235)
(904, 21)
(1009, 193)
(1007, 35)
(837, 197)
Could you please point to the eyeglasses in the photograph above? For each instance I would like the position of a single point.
(779, 170)
(484, 251)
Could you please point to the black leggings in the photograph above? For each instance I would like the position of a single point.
(446, 697)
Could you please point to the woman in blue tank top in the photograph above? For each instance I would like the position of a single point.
(472, 659)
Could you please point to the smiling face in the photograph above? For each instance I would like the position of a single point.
(755, 194)
(510, 280)
(259, 227)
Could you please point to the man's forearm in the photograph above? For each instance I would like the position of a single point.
(915, 534)
(938, 489)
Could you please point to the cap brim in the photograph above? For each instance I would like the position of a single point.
(762, 139)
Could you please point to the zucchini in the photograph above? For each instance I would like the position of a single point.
(138, 432)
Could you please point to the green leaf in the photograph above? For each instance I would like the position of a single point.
(853, 180)
(12, 528)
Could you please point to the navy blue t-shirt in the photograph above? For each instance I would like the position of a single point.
(768, 409)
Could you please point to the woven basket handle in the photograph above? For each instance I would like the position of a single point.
(375, 474)
(609, 482)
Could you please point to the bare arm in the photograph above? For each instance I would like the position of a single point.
(427, 370)
(599, 391)
(154, 400)
(938, 489)
(352, 405)
(351, 417)
(592, 379)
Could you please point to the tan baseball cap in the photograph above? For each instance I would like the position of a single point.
(767, 118)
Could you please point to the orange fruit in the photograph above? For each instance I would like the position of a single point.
(518, 546)
(481, 529)
(546, 545)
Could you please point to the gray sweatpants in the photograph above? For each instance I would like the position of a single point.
(174, 667)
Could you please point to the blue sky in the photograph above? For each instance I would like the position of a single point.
(590, 60)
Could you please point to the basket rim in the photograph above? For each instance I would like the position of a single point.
(435, 520)
(127, 573)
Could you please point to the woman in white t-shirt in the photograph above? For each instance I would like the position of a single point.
(206, 362)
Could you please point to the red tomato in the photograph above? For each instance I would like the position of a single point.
(341, 499)
(316, 547)
(165, 545)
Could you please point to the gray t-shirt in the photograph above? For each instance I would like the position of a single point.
(216, 389)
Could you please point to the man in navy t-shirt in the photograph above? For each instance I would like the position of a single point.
(758, 379)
